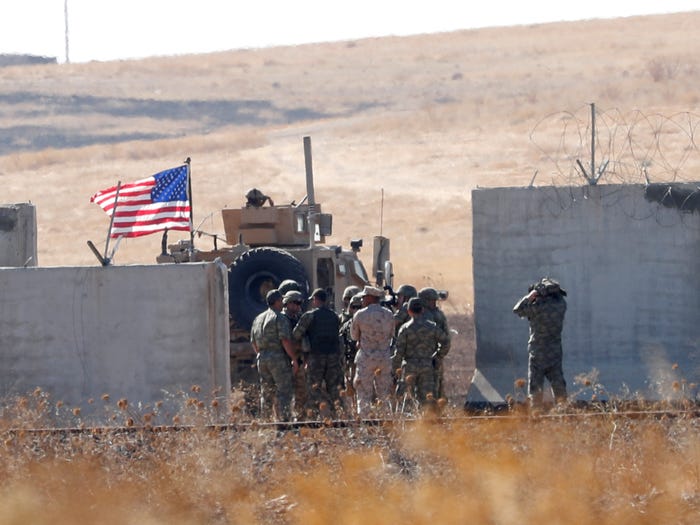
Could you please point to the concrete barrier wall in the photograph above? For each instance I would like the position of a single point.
(143, 333)
(18, 235)
(631, 267)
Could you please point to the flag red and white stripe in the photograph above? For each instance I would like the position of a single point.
(148, 205)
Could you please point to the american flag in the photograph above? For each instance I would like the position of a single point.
(148, 205)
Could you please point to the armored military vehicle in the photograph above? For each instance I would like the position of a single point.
(268, 244)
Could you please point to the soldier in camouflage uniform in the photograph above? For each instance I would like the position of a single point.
(405, 293)
(429, 298)
(324, 374)
(348, 294)
(271, 340)
(544, 307)
(418, 344)
(347, 343)
(292, 301)
(348, 349)
(373, 329)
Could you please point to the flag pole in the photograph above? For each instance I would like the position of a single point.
(111, 221)
(189, 198)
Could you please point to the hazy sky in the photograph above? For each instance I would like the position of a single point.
(115, 29)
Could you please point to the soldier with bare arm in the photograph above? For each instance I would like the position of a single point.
(544, 307)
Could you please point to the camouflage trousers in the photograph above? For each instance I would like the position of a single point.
(419, 378)
(544, 367)
(439, 377)
(275, 383)
(324, 379)
(373, 378)
(301, 395)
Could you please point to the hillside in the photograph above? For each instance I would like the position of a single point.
(416, 121)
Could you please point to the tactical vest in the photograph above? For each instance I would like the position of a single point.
(323, 331)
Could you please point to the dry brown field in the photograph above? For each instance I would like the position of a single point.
(403, 129)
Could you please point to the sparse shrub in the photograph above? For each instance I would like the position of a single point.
(662, 68)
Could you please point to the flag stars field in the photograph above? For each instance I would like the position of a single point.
(171, 185)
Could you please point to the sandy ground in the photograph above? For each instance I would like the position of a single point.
(403, 129)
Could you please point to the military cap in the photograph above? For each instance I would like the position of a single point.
(372, 291)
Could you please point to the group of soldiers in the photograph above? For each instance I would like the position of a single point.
(379, 355)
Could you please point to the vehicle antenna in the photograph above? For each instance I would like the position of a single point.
(381, 215)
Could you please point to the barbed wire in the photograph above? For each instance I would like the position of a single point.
(635, 148)
(629, 148)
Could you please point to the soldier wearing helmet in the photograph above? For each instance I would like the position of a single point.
(429, 297)
(545, 308)
(349, 345)
(348, 294)
(406, 292)
(271, 338)
(417, 344)
(287, 285)
(293, 302)
(256, 198)
(428, 294)
(403, 295)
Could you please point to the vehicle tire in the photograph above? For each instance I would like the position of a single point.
(253, 274)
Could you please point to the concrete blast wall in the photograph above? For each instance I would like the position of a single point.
(143, 333)
(630, 265)
(18, 235)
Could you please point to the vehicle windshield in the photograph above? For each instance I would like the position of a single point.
(359, 269)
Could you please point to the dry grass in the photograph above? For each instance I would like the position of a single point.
(599, 469)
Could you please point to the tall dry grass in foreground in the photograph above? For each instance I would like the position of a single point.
(597, 469)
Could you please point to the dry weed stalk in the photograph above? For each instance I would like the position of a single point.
(586, 470)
